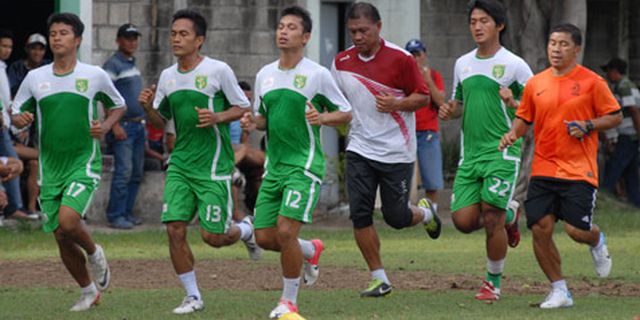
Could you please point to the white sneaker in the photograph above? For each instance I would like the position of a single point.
(601, 259)
(100, 269)
(255, 252)
(557, 298)
(311, 267)
(86, 301)
(189, 304)
(283, 307)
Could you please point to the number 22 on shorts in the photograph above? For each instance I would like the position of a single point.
(506, 186)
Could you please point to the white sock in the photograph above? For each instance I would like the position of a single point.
(381, 275)
(245, 230)
(559, 285)
(90, 289)
(290, 289)
(495, 267)
(189, 283)
(308, 250)
(428, 214)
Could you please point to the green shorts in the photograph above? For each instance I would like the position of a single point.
(492, 182)
(293, 195)
(212, 199)
(76, 193)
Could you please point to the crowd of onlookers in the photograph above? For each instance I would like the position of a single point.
(136, 146)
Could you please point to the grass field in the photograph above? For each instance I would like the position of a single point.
(455, 258)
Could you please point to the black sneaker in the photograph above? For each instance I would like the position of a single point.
(434, 226)
(377, 288)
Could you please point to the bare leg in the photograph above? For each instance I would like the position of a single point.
(70, 237)
(468, 219)
(290, 252)
(221, 240)
(493, 220)
(591, 237)
(181, 255)
(369, 244)
(545, 249)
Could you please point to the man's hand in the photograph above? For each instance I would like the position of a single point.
(313, 116)
(507, 140)
(146, 96)
(206, 118)
(118, 132)
(507, 96)
(11, 169)
(248, 122)
(23, 119)
(96, 130)
(577, 128)
(386, 103)
(3, 199)
(446, 110)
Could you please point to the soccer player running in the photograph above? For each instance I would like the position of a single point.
(202, 96)
(61, 97)
(567, 104)
(488, 81)
(384, 85)
(294, 97)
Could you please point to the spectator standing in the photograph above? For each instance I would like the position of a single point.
(427, 136)
(35, 48)
(127, 138)
(623, 162)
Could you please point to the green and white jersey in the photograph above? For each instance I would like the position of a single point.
(199, 153)
(485, 118)
(281, 97)
(64, 106)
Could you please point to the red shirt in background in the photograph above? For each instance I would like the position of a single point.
(427, 117)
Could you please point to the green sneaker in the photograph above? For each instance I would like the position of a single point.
(434, 226)
(377, 288)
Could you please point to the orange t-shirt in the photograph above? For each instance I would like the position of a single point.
(548, 101)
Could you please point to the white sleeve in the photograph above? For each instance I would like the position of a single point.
(231, 89)
(24, 100)
(160, 91)
(112, 98)
(257, 94)
(523, 72)
(329, 89)
(456, 83)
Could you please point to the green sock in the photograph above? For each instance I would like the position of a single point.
(494, 279)
(510, 215)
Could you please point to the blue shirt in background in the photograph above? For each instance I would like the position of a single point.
(128, 81)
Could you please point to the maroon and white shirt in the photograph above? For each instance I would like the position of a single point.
(383, 137)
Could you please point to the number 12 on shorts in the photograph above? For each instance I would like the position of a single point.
(293, 199)
(75, 189)
(504, 187)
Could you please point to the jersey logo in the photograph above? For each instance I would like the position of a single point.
(498, 71)
(201, 82)
(575, 90)
(45, 86)
(82, 85)
(299, 81)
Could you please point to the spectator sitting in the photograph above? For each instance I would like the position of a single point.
(158, 146)
(25, 146)
(9, 169)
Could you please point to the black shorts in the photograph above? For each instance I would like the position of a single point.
(363, 178)
(571, 201)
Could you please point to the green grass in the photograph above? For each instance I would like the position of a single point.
(454, 253)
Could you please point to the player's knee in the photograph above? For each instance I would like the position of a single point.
(264, 239)
(398, 219)
(541, 229)
(493, 220)
(462, 225)
(176, 231)
(215, 240)
(286, 235)
(362, 222)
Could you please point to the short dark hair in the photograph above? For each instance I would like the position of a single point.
(493, 8)
(5, 33)
(572, 30)
(69, 19)
(244, 85)
(301, 13)
(199, 22)
(363, 9)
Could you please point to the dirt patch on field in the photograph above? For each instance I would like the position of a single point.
(245, 275)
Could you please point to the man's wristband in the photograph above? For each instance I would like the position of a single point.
(590, 126)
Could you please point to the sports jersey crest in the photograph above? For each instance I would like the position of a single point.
(82, 85)
(498, 71)
(299, 81)
(201, 82)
